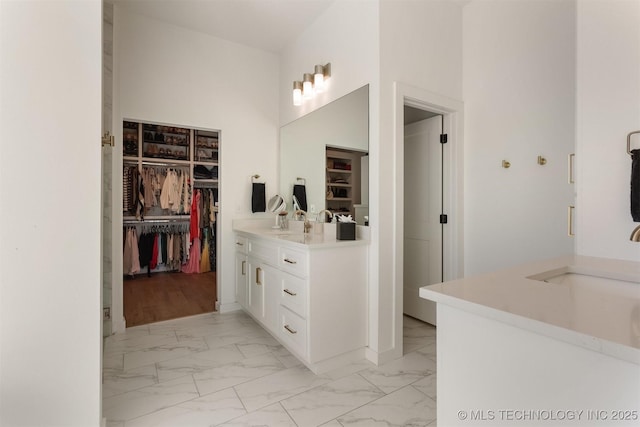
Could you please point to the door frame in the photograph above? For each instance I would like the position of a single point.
(452, 111)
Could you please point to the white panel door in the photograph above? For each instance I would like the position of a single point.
(422, 209)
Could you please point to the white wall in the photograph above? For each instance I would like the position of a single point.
(608, 108)
(519, 89)
(420, 47)
(347, 36)
(168, 74)
(50, 119)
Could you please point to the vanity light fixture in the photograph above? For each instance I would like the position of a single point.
(307, 86)
(297, 93)
(320, 76)
(311, 84)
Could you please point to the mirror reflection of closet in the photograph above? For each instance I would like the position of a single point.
(342, 124)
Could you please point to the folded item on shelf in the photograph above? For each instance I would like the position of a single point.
(203, 172)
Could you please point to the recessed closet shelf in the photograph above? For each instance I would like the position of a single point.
(167, 143)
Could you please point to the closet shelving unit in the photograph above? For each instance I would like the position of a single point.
(206, 158)
(173, 146)
(189, 149)
(343, 187)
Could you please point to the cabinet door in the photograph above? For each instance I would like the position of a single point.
(242, 270)
(256, 289)
(271, 284)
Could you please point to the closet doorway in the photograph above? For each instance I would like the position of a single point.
(170, 194)
(446, 195)
(423, 209)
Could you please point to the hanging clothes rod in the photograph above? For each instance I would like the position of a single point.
(169, 165)
(200, 184)
(629, 141)
(154, 221)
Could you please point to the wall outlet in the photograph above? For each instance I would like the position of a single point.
(106, 313)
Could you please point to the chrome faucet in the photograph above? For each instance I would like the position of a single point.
(321, 215)
(307, 224)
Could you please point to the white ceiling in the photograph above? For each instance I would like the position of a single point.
(263, 24)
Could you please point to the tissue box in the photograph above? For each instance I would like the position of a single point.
(346, 231)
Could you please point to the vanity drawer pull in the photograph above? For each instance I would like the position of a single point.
(258, 270)
(239, 244)
(290, 261)
(290, 330)
(244, 263)
(287, 291)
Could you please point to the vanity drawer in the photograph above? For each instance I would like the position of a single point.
(242, 244)
(293, 294)
(292, 261)
(292, 330)
(266, 252)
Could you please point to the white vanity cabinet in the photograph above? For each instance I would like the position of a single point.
(312, 298)
(242, 271)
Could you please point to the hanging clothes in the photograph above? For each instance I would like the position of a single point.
(205, 264)
(193, 265)
(145, 246)
(186, 195)
(154, 253)
(140, 194)
(194, 229)
(177, 252)
(133, 191)
(127, 188)
(170, 194)
(130, 257)
(212, 213)
(148, 175)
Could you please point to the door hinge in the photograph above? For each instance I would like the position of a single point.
(443, 219)
(443, 138)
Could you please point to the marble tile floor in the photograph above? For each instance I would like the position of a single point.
(225, 370)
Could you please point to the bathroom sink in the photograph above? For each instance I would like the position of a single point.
(574, 275)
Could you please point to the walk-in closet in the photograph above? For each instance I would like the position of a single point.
(170, 209)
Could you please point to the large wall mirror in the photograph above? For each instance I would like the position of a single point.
(327, 152)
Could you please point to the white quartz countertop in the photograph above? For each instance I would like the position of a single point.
(323, 238)
(596, 305)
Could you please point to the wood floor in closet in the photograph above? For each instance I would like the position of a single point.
(165, 296)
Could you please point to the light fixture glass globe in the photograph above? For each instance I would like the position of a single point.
(307, 86)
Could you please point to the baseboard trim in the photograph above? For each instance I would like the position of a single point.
(226, 308)
(383, 357)
(336, 362)
(118, 326)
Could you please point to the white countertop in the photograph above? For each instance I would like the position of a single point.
(323, 238)
(597, 307)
